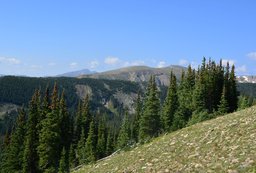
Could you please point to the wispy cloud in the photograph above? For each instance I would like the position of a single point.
(183, 62)
(35, 67)
(161, 64)
(94, 64)
(73, 65)
(252, 55)
(111, 60)
(9, 60)
(51, 64)
(241, 69)
(134, 63)
(230, 61)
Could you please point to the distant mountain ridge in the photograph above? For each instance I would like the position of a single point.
(77, 73)
(246, 79)
(139, 74)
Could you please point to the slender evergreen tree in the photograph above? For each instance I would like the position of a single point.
(101, 142)
(63, 165)
(233, 100)
(16, 146)
(72, 157)
(90, 145)
(123, 137)
(30, 157)
(223, 106)
(110, 143)
(81, 152)
(49, 137)
(136, 124)
(150, 119)
(170, 105)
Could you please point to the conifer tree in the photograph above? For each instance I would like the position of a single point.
(49, 137)
(233, 100)
(65, 133)
(30, 157)
(81, 152)
(123, 137)
(16, 146)
(150, 119)
(90, 145)
(101, 142)
(243, 102)
(63, 165)
(199, 94)
(136, 124)
(223, 106)
(5, 152)
(78, 123)
(72, 157)
(86, 116)
(170, 104)
(110, 143)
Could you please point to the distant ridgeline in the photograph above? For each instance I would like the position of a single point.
(66, 122)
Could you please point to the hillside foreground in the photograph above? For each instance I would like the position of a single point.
(224, 144)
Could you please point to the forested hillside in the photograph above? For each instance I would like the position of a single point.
(49, 137)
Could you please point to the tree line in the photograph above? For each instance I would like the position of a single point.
(46, 138)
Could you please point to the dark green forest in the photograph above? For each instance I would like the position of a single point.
(55, 130)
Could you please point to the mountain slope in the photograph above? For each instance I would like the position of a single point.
(225, 144)
(139, 74)
(76, 73)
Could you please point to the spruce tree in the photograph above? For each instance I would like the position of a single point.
(30, 157)
(233, 100)
(16, 146)
(72, 157)
(170, 104)
(49, 137)
(78, 123)
(136, 124)
(150, 119)
(65, 132)
(123, 137)
(90, 145)
(199, 94)
(63, 165)
(81, 153)
(86, 116)
(110, 143)
(223, 106)
(101, 142)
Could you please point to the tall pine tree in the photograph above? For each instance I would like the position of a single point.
(30, 157)
(170, 105)
(16, 146)
(150, 119)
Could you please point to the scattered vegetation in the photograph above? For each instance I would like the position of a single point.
(57, 140)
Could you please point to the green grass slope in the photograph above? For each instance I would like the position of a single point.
(224, 144)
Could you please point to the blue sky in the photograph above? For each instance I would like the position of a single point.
(43, 38)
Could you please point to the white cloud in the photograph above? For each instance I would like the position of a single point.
(94, 64)
(183, 62)
(111, 60)
(51, 64)
(225, 61)
(9, 60)
(161, 64)
(241, 69)
(73, 65)
(134, 63)
(35, 67)
(252, 55)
